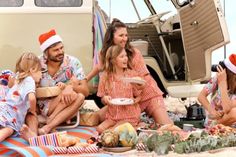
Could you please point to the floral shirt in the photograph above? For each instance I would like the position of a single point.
(71, 66)
(212, 87)
(15, 105)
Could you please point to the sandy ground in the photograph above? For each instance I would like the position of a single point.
(177, 105)
(225, 152)
(172, 104)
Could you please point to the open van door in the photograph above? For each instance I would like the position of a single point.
(203, 30)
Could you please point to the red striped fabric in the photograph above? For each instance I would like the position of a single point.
(19, 147)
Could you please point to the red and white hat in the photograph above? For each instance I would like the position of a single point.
(230, 63)
(48, 38)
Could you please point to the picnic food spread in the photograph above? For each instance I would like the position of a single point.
(171, 138)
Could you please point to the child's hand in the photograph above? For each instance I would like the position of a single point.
(74, 81)
(61, 85)
(106, 100)
(137, 100)
(11, 81)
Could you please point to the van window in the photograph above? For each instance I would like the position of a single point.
(11, 3)
(58, 3)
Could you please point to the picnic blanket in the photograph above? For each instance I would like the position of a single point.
(19, 147)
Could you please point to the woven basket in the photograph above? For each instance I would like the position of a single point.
(45, 92)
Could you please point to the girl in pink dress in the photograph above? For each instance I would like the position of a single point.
(152, 100)
(20, 98)
(112, 85)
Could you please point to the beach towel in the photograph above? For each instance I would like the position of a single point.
(19, 147)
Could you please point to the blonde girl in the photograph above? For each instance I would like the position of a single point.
(111, 85)
(20, 98)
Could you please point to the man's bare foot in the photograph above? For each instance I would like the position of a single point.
(44, 130)
(27, 133)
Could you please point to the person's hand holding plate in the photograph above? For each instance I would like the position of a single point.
(106, 100)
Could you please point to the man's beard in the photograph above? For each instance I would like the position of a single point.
(54, 58)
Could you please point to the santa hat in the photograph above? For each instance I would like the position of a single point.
(230, 63)
(48, 39)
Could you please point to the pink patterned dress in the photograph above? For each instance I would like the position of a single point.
(117, 88)
(151, 90)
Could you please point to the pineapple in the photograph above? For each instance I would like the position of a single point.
(109, 139)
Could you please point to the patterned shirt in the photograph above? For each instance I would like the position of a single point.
(71, 66)
(212, 88)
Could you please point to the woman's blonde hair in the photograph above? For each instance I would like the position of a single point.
(27, 61)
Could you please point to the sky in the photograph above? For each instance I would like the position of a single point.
(166, 5)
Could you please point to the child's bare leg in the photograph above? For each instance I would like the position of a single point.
(119, 123)
(30, 128)
(5, 132)
(63, 115)
(105, 125)
(101, 114)
(27, 132)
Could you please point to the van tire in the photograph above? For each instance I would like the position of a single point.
(158, 80)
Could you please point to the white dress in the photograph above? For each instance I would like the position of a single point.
(14, 107)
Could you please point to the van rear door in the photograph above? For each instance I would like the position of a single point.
(203, 30)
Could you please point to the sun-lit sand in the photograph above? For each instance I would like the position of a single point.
(177, 105)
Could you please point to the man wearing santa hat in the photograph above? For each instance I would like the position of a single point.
(64, 71)
(222, 106)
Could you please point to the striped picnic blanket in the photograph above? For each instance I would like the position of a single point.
(19, 147)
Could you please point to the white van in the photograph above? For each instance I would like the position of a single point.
(177, 49)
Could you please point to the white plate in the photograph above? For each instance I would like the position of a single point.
(117, 149)
(133, 80)
(122, 101)
(148, 131)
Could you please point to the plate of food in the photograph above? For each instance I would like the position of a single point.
(122, 101)
(117, 149)
(137, 80)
